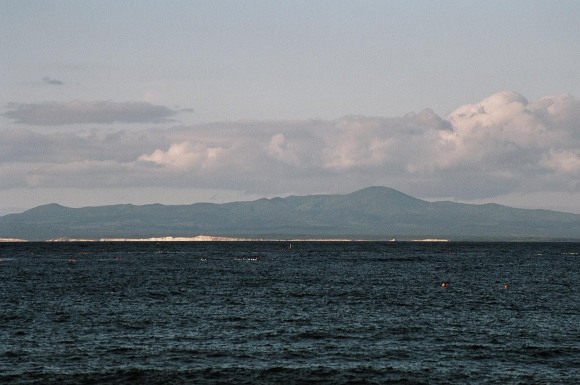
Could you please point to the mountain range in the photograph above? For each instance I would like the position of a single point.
(374, 213)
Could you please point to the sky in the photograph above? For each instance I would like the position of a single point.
(180, 102)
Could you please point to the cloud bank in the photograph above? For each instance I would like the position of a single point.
(501, 145)
(80, 112)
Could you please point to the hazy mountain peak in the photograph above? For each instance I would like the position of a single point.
(50, 207)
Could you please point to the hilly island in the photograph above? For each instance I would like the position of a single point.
(374, 213)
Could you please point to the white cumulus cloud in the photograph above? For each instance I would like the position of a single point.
(184, 155)
(279, 149)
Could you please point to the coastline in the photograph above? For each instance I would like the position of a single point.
(209, 238)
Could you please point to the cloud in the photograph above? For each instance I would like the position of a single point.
(55, 82)
(184, 155)
(507, 125)
(567, 162)
(80, 112)
(278, 148)
(509, 144)
(499, 146)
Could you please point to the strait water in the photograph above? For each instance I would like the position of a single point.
(261, 313)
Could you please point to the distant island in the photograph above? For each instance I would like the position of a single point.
(374, 213)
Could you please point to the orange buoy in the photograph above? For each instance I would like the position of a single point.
(505, 286)
(443, 284)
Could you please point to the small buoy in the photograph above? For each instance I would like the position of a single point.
(505, 286)
(443, 284)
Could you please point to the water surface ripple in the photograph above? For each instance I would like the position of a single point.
(265, 312)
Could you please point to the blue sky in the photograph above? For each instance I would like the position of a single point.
(280, 77)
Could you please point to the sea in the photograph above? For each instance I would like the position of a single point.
(289, 313)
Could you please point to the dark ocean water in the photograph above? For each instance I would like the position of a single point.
(262, 313)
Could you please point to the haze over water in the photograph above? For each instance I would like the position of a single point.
(265, 312)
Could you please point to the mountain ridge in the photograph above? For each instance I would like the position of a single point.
(375, 212)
